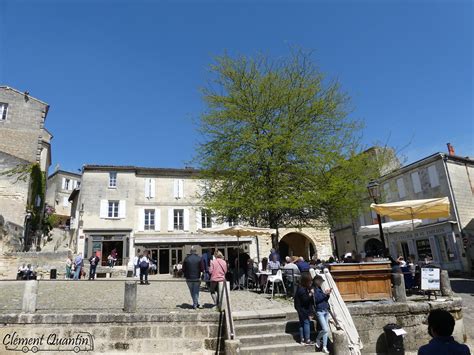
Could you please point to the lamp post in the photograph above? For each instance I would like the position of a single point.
(374, 192)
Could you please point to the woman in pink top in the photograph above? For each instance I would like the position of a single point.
(217, 269)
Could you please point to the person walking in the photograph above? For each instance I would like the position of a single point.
(303, 303)
(217, 270)
(94, 261)
(192, 268)
(322, 312)
(78, 266)
(144, 264)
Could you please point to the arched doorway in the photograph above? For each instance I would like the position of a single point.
(373, 247)
(296, 244)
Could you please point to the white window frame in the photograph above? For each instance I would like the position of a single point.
(114, 211)
(206, 218)
(178, 219)
(148, 218)
(67, 183)
(3, 111)
(112, 179)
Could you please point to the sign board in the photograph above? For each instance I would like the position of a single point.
(430, 279)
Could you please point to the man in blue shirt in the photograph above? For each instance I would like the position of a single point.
(440, 327)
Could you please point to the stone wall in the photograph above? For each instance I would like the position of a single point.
(22, 131)
(171, 332)
(13, 192)
(371, 317)
(42, 263)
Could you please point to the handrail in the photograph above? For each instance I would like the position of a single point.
(229, 319)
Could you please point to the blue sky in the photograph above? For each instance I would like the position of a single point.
(123, 77)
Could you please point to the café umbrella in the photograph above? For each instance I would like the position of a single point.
(239, 231)
(412, 209)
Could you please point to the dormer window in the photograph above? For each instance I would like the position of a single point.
(3, 111)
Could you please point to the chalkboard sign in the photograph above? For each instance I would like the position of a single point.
(430, 279)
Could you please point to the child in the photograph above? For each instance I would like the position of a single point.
(304, 306)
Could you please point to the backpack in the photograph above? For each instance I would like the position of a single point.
(143, 264)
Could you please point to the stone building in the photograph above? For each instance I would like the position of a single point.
(128, 208)
(60, 185)
(446, 240)
(23, 140)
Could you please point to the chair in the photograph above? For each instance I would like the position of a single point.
(275, 279)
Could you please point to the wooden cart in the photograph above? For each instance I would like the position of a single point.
(363, 281)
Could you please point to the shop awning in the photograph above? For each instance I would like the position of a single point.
(411, 209)
(189, 239)
(389, 227)
(239, 230)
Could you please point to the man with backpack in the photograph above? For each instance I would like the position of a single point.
(94, 261)
(144, 264)
(192, 268)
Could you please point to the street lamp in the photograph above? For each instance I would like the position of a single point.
(374, 192)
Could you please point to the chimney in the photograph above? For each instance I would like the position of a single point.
(450, 149)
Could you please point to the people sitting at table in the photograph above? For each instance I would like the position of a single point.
(290, 268)
(302, 265)
(274, 264)
(273, 252)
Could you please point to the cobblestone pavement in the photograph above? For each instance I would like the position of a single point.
(98, 295)
(464, 287)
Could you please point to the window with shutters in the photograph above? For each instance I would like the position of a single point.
(67, 184)
(112, 179)
(415, 179)
(113, 209)
(206, 219)
(3, 111)
(178, 218)
(150, 219)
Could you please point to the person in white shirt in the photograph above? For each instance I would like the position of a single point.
(135, 263)
(144, 264)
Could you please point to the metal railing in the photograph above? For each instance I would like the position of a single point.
(226, 307)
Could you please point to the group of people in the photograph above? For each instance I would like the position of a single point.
(212, 266)
(26, 272)
(75, 267)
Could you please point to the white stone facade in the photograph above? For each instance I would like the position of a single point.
(60, 185)
(159, 209)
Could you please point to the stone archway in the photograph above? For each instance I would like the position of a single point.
(296, 244)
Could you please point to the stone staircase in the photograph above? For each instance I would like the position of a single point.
(269, 332)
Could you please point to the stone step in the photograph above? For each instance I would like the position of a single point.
(268, 339)
(263, 316)
(290, 348)
(268, 328)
